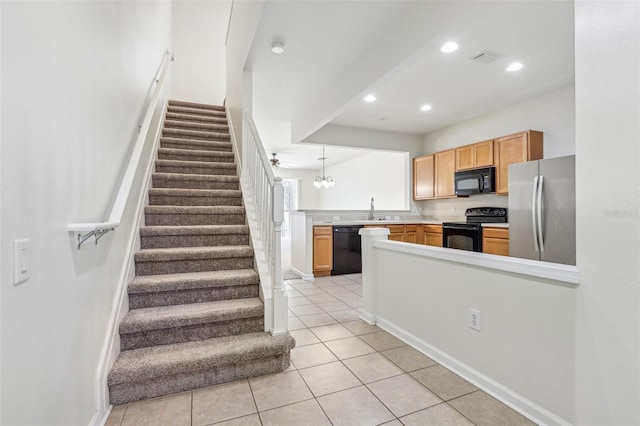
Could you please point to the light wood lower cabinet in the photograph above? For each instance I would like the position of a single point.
(322, 250)
(495, 241)
(432, 235)
(410, 234)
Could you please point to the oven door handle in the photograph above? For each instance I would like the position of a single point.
(461, 226)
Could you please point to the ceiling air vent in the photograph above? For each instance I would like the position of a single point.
(486, 57)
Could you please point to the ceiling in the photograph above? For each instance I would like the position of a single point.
(337, 51)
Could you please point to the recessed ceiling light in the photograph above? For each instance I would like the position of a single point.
(369, 98)
(425, 107)
(514, 67)
(449, 47)
(277, 48)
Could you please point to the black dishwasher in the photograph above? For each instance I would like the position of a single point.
(347, 250)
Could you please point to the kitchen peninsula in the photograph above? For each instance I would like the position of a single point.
(312, 230)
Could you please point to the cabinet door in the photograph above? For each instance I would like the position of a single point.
(511, 149)
(423, 177)
(495, 241)
(322, 248)
(445, 168)
(465, 158)
(516, 148)
(483, 154)
(433, 235)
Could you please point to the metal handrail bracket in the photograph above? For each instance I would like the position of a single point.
(98, 229)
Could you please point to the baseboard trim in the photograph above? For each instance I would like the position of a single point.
(512, 399)
(302, 275)
(368, 317)
(100, 417)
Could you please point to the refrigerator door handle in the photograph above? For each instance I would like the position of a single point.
(534, 222)
(539, 213)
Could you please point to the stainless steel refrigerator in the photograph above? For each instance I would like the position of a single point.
(542, 210)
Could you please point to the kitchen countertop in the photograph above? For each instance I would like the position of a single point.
(400, 222)
(380, 222)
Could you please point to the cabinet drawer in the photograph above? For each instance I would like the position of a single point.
(411, 228)
(396, 229)
(321, 230)
(433, 229)
(496, 233)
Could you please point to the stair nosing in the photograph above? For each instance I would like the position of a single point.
(147, 363)
(174, 316)
(150, 284)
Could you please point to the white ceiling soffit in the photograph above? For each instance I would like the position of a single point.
(337, 51)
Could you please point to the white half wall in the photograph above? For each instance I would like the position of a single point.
(75, 78)
(524, 351)
(382, 175)
(199, 30)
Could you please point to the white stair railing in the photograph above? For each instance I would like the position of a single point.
(264, 200)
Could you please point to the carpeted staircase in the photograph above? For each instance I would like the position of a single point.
(195, 317)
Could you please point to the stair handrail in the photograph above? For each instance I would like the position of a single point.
(86, 230)
(266, 195)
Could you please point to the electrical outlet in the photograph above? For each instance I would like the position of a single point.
(474, 319)
(336, 218)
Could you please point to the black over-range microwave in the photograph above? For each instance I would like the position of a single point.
(477, 181)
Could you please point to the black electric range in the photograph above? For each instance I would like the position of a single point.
(468, 235)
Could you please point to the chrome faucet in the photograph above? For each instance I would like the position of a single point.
(372, 210)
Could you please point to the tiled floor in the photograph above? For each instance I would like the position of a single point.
(343, 372)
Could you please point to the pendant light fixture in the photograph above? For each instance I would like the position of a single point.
(324, 181)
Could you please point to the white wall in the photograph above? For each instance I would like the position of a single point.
(75, 76)
(553, 114)
(382, 175)
(243, 24)
(199, 30)
(607, 209)
(309, 196)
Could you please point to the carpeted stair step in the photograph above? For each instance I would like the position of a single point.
(195, 167)
(197, 145)
(206, 127)
(184, 104)
(187, 181)
(194, 197)
(193, 236)
(177, 116)
(196, 111)
(196, 134)
(165, 325)
(193, 155)
(194, 215)
(192, 259)
(162, 370)
(195, 287)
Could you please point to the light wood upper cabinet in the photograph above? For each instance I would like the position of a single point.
(474, 156)
(445, 167)
(495, 241)
(423, 177)
(465, 158)
(484, 153)
(322, 250)
(516, 148)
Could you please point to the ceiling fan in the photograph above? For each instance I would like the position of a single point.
(276, 163)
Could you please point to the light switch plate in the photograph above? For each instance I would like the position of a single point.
(21, 261)
(474, 319)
